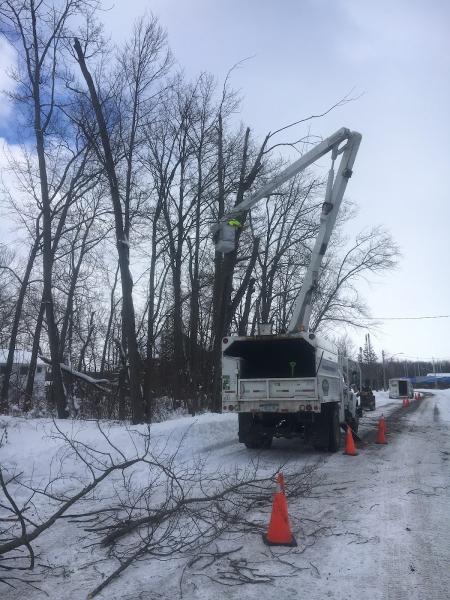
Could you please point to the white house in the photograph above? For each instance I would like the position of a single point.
(19, 374)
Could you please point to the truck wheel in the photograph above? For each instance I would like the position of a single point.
(251, 445)
(267, 442)
(321, 432)
(334, 430)
(255, 442)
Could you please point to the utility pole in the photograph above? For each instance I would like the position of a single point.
(360, 359)
(434, 373)
(384, 370)
(348, 373)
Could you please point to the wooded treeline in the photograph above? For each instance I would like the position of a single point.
(367, 368)
(122, 166)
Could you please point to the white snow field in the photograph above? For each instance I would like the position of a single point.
(376, 526)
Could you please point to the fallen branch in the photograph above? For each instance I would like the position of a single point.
(97, 383)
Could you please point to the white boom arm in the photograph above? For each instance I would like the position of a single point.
(336, 185)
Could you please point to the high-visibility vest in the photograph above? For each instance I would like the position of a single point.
(234, 223)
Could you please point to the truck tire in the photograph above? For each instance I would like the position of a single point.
(320, 435)
(334, 430)
(250, 435)
(321, 430)
(258, 442)
(327, 435)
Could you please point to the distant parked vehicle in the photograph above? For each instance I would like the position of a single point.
(400, 387)
(367, 398)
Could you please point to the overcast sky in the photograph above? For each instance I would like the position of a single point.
(306, 54)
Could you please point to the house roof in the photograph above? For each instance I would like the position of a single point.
(21, 357)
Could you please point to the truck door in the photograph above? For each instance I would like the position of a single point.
(230, 375)
(393, 388)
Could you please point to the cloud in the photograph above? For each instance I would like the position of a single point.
(10, 227)
(8, 60)
(403, 30)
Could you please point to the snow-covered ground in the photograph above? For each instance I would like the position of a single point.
(376, 526)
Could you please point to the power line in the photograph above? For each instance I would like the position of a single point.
(424, 358)
(407, 318)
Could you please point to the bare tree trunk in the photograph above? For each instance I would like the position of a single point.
(194, 305)
(148, 393)
(176, 253)
(58, 391)
(110, 320)
(223, 304)
(28, 404)
(76, 267)
(86, 342)
(122, 247)
(243, 324)
(16, 321)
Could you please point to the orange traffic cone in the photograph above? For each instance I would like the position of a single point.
(279, 532)
(404, 403)
(350, 449)
(381, 434)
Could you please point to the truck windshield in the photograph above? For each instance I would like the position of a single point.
(273, 358)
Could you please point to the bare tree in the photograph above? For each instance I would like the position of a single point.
(286, 225)
(37, 30)
(8, 285)
(23, 286)
(123, 250)
(338, 301)
(142, 63)
(249, 167)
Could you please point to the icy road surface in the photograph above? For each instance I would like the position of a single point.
(376, 527)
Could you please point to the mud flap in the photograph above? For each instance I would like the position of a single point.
(355, 435)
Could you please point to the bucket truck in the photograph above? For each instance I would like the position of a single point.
(291, 384)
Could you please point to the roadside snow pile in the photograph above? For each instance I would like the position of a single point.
(188, 494)
(382, 398)
(105, 494)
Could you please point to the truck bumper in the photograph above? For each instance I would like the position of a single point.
(274, 406)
